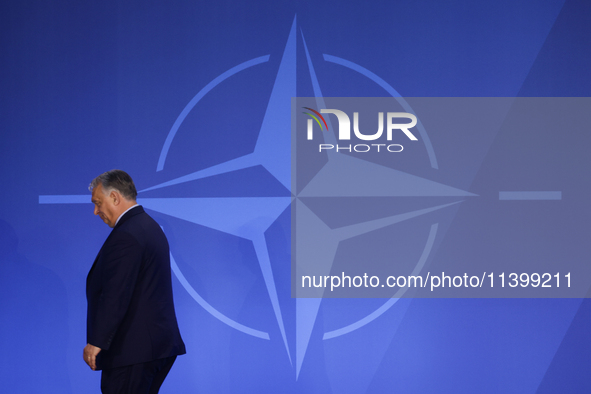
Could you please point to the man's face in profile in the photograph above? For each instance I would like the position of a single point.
(104, 205)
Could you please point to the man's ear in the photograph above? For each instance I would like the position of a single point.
(116, 197)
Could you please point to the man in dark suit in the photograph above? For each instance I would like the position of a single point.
(132, 331)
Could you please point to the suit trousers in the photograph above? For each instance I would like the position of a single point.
(143, 378)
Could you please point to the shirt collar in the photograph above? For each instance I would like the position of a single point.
(120, 216)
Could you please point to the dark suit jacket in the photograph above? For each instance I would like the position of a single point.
(129, 292)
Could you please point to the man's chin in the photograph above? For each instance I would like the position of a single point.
(108, 223)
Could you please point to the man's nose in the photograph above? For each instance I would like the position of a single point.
(96, 210)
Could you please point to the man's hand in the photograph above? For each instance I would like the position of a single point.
(90, 353)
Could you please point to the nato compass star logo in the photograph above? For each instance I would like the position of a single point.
(250, 217)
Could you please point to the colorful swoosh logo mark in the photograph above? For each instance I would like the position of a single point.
(315, 118)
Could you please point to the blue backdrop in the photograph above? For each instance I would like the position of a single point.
(193, 100)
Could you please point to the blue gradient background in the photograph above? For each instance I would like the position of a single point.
(91, 87)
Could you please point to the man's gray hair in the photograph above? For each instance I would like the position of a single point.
(116, 180)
